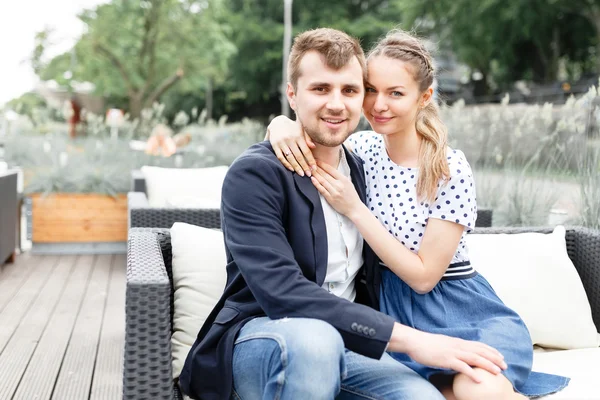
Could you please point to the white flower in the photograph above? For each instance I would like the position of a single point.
(47, 147)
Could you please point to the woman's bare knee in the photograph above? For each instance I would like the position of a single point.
(492, 387)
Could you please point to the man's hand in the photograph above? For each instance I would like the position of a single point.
(446, 352)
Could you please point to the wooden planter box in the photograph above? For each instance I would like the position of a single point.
(78, 218)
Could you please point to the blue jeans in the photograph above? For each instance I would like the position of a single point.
(299, 358)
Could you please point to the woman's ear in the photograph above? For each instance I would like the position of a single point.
(426, 97)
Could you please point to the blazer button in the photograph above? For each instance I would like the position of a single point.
(372, 332)
(353, 326)
(366, 330)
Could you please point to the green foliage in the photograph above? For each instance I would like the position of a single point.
(27, 104)
(509, 41)
(154, 45)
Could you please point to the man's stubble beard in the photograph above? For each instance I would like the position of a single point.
(326, 139)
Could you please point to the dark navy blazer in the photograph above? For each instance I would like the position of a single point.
(276, 245)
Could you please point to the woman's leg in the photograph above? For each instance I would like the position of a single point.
(492, 387)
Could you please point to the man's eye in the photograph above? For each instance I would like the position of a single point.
(319, 89)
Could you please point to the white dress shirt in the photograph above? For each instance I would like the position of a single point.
(344, 245)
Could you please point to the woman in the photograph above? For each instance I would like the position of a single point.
(421, 204)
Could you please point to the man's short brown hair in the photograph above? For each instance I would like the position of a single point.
(336, 47)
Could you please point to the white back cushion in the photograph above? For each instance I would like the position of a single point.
(166, 187)
(532, 274)
(199, 277)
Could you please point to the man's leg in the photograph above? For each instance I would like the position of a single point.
(383, 379)
(289, 358)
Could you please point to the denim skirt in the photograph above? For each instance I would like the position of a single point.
(468, 309)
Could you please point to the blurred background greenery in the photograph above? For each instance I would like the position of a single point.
(517, 79)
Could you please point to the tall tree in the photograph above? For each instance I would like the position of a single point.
(505, 41)
(142, 48)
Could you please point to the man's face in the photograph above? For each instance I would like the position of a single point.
(327, 102)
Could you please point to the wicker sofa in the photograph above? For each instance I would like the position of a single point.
(142, 215)
(8, 215)
(149, 303)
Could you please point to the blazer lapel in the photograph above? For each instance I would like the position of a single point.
(305, 186)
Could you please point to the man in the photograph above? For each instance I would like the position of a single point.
(298, 318)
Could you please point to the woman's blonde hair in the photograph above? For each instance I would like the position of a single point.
(433, 163)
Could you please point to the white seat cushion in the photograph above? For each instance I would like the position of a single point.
(581, 365)
(166, 187)
(533, 275)
(199, 276)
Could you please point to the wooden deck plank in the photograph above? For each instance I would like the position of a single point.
(15, 310)
(75, 376)
(18, 351)
(41, 374)
(12, 277)
(107, 383)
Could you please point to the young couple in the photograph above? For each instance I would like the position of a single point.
(329, 298)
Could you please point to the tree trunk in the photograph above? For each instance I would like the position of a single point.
(209, 98)
(135, 106)
(552, 71)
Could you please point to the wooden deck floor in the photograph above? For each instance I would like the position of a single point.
(62, 327)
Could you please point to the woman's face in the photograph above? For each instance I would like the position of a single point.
(392, 96)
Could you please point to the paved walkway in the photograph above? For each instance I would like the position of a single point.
(62, 327)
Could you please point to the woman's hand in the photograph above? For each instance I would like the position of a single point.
(337, 189)
(291, 145)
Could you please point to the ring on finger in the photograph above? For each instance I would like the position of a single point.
(287, 153)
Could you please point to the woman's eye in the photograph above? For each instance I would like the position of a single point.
(396, 94)
(370, 90)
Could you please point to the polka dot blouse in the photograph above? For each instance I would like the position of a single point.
(392, 194)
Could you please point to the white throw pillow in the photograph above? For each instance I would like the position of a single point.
(199, 276)
(199, 183)
(192, 202)
(532, 274)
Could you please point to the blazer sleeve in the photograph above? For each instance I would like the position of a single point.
(253, 207)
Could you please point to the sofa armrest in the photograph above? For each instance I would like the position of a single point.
(484, 217)
(147, 371)
(141, 215)
(583, 246)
